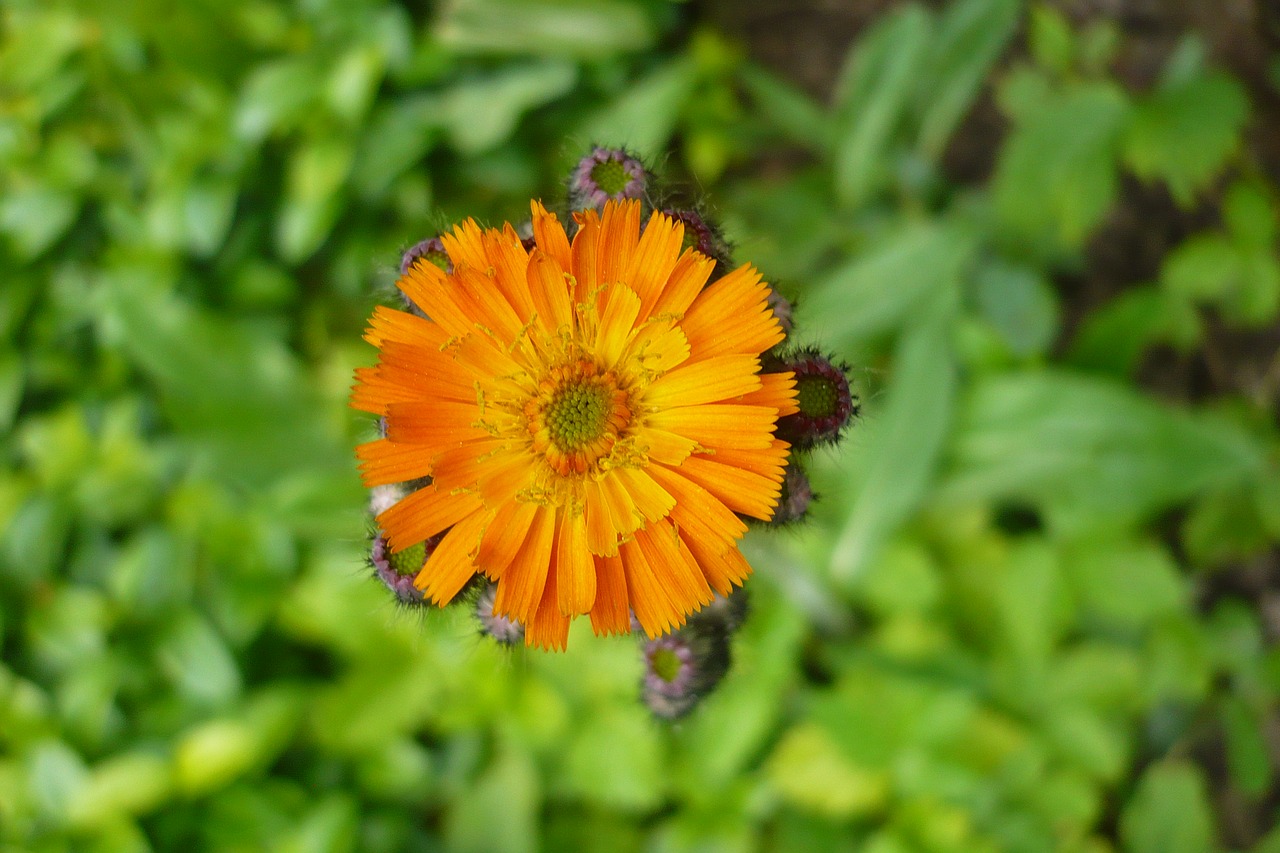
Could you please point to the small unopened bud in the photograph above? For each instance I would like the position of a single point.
(430, 250)
(822, 394)
(606, 174)
(502, 629)
(682, 667)
(782, 309)
(796, 496)
(397, 570)
(703, 237)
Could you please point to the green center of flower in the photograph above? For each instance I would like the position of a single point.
(611, 176)
(410, 560)
(440, 259)
(817, 396)
(666, 664)
(577, 415)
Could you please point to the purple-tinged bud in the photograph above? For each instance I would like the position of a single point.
(822, 394)
(704, 237)
(725, 612)
(502, 629)
(603, 175)
(397, 571)
(682, 667)
(796, 496)
(431, 250)
(782, 309)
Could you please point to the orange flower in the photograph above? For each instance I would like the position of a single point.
(592, 419)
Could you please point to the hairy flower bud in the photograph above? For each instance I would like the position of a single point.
(822, 394)
(503, 630)
(606, 174)
(797, 494)
(682, 667)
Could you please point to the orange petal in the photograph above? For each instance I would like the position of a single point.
(697, 511)
(767, 463)
(521, 585)
(654, 259)
(383, 462)
(665, 447)
(423, 514)
(651, 603)
(485, 303)
(621, 307)
(388, 324)
(741, 491)
(439, 424)
(650, 499)
(575, 570)
(732, 315)
(619, 234)
(602, 536)
(723, 568)
(437, 295)
(611, 613)
(550, 292)
(720, 425)
(450, 565)
(549, 628)
(778, 391)
(708, 381)
(504, 536)
(464, 245)
(549, 235)
(674, 567)
(684, 284)
(510, 263)
(586, 254)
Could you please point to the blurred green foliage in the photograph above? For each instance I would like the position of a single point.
(992, 636)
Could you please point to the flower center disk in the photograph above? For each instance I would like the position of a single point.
(576, 417)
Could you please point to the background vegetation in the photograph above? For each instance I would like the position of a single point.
(1035, 610)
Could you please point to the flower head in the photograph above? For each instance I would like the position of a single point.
(592, 417)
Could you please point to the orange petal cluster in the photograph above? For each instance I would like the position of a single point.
(589, 418)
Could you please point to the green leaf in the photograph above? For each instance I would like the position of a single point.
(971, 36)
(1092, 453)
(790, 110)
(1169, 813)
(1185, 133)
(1126, 582)
(878, 291)
(907, 441)
(1020, 304)
(317, 172)
(1114, 337)
(1056, 174)
(1247, 749)
(1051, 40)
(480, 114)
(875, 91)
(808, 770)
(588, 29)
(510, 788)
(35, 217)
(643, 118)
